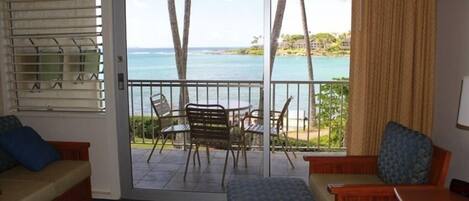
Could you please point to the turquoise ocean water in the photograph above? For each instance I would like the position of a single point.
(209, 64)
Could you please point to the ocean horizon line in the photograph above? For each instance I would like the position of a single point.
(214, 47)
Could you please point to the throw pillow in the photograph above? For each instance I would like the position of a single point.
(28, 148)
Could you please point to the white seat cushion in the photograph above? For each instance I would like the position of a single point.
(63, 174)
(23, 190)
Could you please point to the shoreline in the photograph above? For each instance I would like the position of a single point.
(284, 52)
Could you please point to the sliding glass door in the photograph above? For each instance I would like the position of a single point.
(255, 60)
(179, 53)
(183, 52)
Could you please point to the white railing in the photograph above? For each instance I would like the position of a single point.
(323, 131)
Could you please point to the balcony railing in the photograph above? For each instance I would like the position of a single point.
(324, 131)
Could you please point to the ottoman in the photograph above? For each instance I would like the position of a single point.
(268, 189)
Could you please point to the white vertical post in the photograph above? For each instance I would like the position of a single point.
(266, 109)
(115, 45)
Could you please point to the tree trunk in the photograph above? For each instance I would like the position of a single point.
(276, 29)
(312, 111)
(180, 50)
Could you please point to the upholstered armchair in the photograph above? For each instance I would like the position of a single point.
(406, 158)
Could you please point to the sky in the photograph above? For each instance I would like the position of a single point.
(228, 23)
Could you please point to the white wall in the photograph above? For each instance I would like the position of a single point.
(452, 65)
(97, 129)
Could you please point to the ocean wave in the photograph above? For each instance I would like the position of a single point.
(191, 52)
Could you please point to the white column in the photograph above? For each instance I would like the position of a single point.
(266, 113)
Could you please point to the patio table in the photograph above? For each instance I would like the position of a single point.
(233, 107)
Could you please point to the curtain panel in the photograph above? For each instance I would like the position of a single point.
(392, 69)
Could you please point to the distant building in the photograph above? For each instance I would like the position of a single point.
(283, 45)
(315, 45)
(300, 44)
(345, 45)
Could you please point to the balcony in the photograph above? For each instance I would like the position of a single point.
(319, 134)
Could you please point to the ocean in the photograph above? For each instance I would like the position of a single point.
(211, 64)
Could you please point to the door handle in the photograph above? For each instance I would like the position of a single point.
(120, 81)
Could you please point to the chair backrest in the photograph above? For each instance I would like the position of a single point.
(283, 112)
(405, 156)
(160, 106)
(208, 122)
(9, 122)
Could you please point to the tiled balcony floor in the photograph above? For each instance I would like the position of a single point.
(166, 171)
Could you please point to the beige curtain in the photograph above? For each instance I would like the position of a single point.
(392, 67)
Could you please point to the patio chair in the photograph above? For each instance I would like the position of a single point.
(406, 158)
(209, 126)
(276, 127)
(164, 118)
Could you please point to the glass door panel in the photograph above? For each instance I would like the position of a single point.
(222, 65)
(309, 81)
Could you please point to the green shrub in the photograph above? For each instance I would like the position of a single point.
(333, 102)
(143, 127)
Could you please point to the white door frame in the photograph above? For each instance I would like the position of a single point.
(119, 47)
(266, 109)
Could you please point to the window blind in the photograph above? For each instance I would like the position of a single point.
(54, 55)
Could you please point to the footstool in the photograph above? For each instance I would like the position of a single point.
(268, 189)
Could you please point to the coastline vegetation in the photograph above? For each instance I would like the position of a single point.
(322, 44)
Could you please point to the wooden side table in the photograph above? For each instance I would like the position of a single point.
(427, 194)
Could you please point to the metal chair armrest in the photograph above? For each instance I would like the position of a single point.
(274, 120)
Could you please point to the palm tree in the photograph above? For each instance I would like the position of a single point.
(310, 62)
(278, 20)
(255, 41)
(180, 51)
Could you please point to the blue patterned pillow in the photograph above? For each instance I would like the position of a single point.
(405, 156)
(7, 123)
